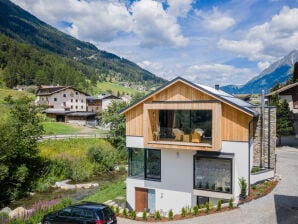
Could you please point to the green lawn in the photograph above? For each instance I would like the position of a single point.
(56, 128)
(109, 192)
(4, 110)
(104, 86)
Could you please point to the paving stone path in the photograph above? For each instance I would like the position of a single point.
(280, 206)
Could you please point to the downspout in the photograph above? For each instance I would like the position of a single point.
(269, 139)
(263, 129)
(249, 129)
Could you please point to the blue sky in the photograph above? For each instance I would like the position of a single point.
(206, 41)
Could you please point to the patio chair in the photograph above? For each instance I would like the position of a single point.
(178, 134)
(196, 136)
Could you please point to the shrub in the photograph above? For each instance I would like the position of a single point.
(124, 212)
(133, 215)
(117, 210)
(170, 214)
(195, 210)
(94, 154)
(144, 216)
(183, 212)
(231, 203)
(254, 187)
(80, 169)
(218, 208)
(157, 215)
(243, 186)
(207, 207)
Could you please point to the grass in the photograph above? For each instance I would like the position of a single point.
(52, 149)
(109, 192)
(105, 86)
(4, 110)
(55, 128)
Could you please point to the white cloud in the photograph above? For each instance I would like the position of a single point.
(150, 65)
(215, 20)
(90, 20)
(218, 73)
(179, 8)
(154, 26)
(269, 40)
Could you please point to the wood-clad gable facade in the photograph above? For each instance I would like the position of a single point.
(229, 123)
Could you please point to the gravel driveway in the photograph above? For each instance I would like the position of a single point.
(280, 206)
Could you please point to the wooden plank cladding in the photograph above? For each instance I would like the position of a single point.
(134, 121)
(234, 124)
(181, 92)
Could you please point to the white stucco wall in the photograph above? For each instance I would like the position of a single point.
(176, 187)
(240, 163)
(134, 142)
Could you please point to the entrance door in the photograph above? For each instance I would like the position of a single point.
(141, 199)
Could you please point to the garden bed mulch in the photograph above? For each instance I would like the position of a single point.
(259, 190)
(256, 191)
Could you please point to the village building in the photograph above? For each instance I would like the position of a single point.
(189, 143)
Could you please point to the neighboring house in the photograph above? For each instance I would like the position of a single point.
(189, 143)
(65, 104)
(290, 94)
(100, 102)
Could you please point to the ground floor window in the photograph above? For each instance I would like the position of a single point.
(213, 174)
(145, 163)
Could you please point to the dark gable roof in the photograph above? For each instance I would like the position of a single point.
(219, 94)
(287, 87)
(46, 91)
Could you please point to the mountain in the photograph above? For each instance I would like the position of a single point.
(22, 26)
(279, 71)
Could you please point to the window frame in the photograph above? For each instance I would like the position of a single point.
(218, 156)
(145, 164)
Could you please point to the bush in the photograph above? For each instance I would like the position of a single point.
(183, 212)
(170, 214)
(80, 169)
(243, 186)
(94, 154)
(157, 215)
(195, 210)
(144, 216)
(124, 212)
(4, 217)
(117, 211)
(219, 205)
(231, 203)
(133, 215)
(207, 207)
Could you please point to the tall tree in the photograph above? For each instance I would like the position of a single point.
(19, 160)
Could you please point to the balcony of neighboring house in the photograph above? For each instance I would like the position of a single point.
(188, 126)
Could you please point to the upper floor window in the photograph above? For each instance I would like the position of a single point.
(71, 100)
(82, 107)
(186, 125)
(55, 99)
(145, 163)
(76, 100)
(64, 95)
(77, 93)
(82, 101)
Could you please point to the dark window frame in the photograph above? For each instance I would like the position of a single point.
(215, 155)
(145, 176)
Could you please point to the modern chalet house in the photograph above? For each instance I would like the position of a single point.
(189, 143)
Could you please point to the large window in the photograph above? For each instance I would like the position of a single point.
(213, 174)
(145, 163)
(186, 125)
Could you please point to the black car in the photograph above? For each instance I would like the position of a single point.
(83, 213)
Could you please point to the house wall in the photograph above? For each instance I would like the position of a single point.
(231, 119)
(176, 187)
(289, 100)
(70, 95)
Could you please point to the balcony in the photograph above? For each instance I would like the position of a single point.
(192, 128)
